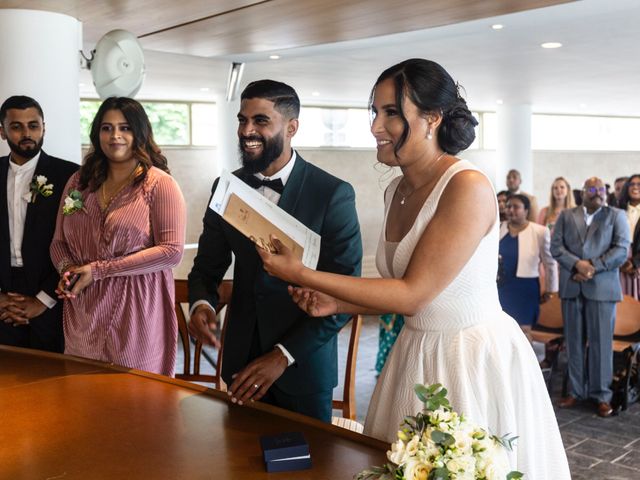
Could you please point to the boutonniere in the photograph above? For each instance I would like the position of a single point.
(72, 203)
(39, 186)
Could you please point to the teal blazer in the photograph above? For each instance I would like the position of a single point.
(260, 304)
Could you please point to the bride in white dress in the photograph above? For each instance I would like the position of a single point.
(438, 256)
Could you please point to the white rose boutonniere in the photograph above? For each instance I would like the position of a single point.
(39, 186)
(72, 203)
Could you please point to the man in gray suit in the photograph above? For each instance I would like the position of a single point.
(590, 243)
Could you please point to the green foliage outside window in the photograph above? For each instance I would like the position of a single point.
(169, 121)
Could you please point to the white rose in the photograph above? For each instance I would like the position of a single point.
(416, 470)
(41, 180)
(68, 203)
(397, 454)
(463, 464)
(413, 445)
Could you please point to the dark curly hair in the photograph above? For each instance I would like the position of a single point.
(431, 89)
(623, 203)
(95, 166)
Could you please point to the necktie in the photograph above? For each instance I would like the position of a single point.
(275, 185)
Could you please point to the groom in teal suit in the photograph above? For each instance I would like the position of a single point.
(273, 351)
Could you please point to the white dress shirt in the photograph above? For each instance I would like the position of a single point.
(588, 217)
(282, 174)
(19, 179)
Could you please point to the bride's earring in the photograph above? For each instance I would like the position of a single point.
(430, 134)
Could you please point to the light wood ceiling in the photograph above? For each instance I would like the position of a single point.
(230, 27)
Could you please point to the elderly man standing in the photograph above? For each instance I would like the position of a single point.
(590, 243)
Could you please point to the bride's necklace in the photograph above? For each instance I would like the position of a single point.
(405, 196)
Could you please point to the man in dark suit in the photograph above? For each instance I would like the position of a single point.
(31, 186)
(590, 243)
(272, 350)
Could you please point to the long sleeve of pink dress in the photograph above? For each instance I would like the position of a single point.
(126, 316)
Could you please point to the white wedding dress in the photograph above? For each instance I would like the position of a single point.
(464, 341)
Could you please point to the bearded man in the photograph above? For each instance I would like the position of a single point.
(273, 351)
(31, 185)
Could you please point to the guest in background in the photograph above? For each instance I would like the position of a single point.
(613, 198)
(514, 179)
(31, 186)
(590, 243)
(629, 201)
(559, 199)
(524, 245)
(119, 233)
(502, 197)
(390, 326)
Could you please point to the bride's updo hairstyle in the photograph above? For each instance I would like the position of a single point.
(431, 89)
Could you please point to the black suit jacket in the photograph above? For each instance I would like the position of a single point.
(260, 304)
(40, 224)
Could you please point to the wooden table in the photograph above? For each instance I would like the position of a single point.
(67, 418)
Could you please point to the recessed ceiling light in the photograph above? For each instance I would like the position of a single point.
(583, 105)
(551, 45)
(205, 89)
(499, 101)
(315, 94)
(81, 85)
(274, 57)
(497, 26)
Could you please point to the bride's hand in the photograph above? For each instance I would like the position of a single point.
(282, 264)
(316, 304)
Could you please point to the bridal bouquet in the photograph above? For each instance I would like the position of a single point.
(439, 444)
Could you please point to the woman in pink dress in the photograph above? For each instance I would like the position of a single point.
(119, 233)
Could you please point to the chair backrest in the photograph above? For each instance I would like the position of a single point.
(223, 312)
(348, 402)
(627, 317)
(551, 314)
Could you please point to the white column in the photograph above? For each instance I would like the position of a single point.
(40, 59)
(227, 150)
(514, 145)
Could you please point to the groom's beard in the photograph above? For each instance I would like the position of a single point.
(26, 148)
(271, 149)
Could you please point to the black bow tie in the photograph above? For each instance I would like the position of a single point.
(275, 185)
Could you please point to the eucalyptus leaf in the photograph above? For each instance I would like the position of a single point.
(439, 474)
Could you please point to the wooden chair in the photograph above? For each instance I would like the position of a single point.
(348, 402)
(626, 352)
(182, 298)
(549, 331)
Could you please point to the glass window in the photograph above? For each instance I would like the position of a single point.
(489, 131)
(88, 110)
(170, 122)
(203, 124)
(334, 127)
(573, 132)
(173, 123)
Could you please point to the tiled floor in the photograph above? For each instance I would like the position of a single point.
(597, 448)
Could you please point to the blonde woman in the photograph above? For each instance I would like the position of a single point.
(560, 198)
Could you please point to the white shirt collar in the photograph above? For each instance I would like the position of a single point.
(28, 166)
(282, 174)
(588, 217)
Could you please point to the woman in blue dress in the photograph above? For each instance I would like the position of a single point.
(524, 246)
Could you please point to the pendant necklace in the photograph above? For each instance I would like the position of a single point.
(405, 196)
